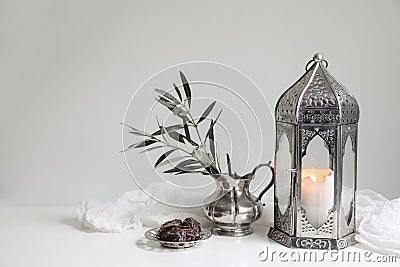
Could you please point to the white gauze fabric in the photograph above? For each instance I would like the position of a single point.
(376, 216)
(135, 209)
(378, 221)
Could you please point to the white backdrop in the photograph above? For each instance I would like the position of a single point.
(69, 68)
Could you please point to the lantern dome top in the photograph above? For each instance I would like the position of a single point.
(317, 98)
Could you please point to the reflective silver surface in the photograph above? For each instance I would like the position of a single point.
(232, 207)
(315, 107)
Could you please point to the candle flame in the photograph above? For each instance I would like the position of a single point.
(316, 175)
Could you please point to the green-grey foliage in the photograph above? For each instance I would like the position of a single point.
(195, 156)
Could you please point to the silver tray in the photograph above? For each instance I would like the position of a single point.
(152, 235)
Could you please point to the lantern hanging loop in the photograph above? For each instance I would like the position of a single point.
(318, 57)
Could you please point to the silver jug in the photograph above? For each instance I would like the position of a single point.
(232, 207)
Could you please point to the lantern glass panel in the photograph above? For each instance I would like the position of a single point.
(317, 189)
(348, 180)
(283, 176)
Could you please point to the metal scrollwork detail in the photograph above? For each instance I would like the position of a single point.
(342, 243)
(319, 116)
(328, 135)
(306, 136)
(329, 138)
(306, 226)
(312, 243)
(283, 221)
(280, 237)
(327, 227)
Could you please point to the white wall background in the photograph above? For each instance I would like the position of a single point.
(68, 69)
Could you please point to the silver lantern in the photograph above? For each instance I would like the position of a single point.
(315, 162)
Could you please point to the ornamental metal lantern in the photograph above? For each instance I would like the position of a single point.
(315, 162)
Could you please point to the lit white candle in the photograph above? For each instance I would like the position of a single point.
(317, 194)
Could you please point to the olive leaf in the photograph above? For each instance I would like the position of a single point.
(177, 136)
(211, 138)
(168, 128)
(150, 149)
(144, 143)
(171, 160)
(177, 111)
(206, 112)
(185, 166)
(203, 157)
(135, 131)
(130, 127)
(213, 124)
(163, 157)
(228, 160)
(217, 163)
(171, 106)
(189, 146)
(140, 133)
(186, 128)
(186, 88)
(178, 92)
(167, 95)
(187, 163)
(180, 138)
(181, 170)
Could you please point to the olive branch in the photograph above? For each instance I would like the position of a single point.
(197, 156)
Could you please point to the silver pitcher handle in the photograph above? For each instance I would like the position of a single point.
(270, 183)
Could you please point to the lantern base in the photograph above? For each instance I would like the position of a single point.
(311, 242)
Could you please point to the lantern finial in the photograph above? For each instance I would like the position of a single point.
(318, 57)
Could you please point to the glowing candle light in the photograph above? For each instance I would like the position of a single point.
(317, 191)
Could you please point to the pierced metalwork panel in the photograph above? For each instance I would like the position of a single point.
(283, 221)
(350, 116)
(287, 115)
(325, 230)
(328, 116)
(329, 135)
(306, 136)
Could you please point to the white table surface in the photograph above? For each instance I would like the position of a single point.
(52, 236)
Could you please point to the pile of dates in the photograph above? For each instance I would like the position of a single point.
(180, 231)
